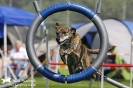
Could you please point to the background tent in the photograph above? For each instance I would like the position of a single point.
(120, 36)
(14, 23)
(119, 32)
(15, 32)
(13, 16)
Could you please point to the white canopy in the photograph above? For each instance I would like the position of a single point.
(118, 33)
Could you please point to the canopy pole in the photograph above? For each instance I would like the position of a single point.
(5, 49)
(131, 62)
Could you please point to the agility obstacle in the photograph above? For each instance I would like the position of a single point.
(64, 6)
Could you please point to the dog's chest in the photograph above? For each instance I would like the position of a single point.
(71, 58)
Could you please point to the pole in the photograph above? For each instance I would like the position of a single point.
(131, 62)
(47, 59)
(37, 8)
(32, 77)
(68, 16)
(90, 84)
(113, 82)
(102, 78)
(124, 9)
(57, 59)
(96, 2)
(10, 2)
(40, 4)
(2, 61)
(5, 49)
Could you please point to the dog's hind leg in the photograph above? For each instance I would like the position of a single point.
(86, 63)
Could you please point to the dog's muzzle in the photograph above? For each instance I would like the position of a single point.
(60, 43)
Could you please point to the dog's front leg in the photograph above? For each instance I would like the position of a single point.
(69, 50)
(63, 55)
(63, 58)
(74, 46)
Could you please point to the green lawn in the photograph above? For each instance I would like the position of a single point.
(40, 82)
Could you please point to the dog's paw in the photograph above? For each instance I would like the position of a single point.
(69, 51)
(93, 76)
(78, 69)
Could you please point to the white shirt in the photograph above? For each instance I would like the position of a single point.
(20, 54)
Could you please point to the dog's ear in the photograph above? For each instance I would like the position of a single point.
(73, 30)
(56, 25)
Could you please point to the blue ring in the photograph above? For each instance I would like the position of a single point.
(63, 6)
(58, 8)
(80, 76)
(51, 75)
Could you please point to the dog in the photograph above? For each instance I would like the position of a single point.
(72, 51)
(6, 80)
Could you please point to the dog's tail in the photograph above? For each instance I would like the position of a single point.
(96, 51)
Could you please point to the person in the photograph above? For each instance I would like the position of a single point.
(108, 60)
(19, 58)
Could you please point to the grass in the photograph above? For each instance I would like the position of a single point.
(40, 82)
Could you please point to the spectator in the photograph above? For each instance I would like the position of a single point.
(108, 60)
(19, 57)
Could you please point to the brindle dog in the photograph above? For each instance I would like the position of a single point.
(72, 51)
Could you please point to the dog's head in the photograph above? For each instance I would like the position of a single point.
(64, 33)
